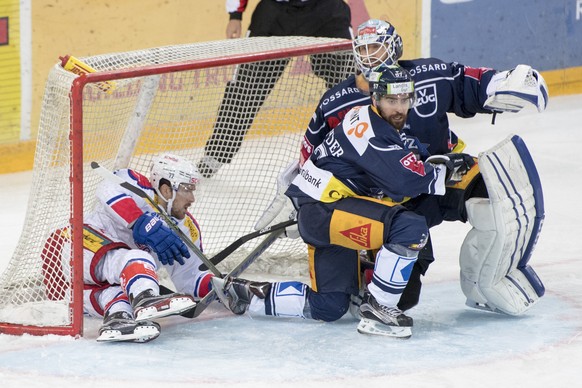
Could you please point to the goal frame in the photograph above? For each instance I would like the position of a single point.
(76, 157)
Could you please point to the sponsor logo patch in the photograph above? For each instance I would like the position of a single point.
(426, 100)
(360, 234)
(411, 163)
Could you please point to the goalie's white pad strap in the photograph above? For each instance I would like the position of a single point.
(280, 201)
(510, 91)
(494, 256)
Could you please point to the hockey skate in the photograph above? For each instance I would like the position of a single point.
(147, 305)
(121, 327)
(235, 294)
(377, 319)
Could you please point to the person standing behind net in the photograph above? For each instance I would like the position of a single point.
(252, 83)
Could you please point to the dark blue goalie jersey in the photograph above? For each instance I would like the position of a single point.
(441, 88)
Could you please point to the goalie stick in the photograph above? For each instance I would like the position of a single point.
(247, 237)
(109, 175)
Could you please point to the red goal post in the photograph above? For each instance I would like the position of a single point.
(137, 104)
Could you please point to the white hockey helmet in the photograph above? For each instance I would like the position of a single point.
(175, 169)
(376, 44)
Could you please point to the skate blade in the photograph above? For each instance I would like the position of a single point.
(175, 306)
(371, 327)
(140, 334)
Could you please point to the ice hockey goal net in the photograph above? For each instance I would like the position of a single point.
(140, 103)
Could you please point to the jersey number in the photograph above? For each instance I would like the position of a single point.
(358, 130)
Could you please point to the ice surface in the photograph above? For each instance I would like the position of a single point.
(452, 345)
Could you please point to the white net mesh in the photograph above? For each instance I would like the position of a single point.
(250, 124)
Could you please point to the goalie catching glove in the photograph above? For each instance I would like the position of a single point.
(150, 230)
(457, 165)
(510, 90)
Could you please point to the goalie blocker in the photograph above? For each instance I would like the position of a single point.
(495, 274)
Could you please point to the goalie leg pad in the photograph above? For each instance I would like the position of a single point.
(495, 274)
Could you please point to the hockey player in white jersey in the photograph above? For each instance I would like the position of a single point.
(125, 241)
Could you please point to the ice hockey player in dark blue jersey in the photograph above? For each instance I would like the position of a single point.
(349, 196)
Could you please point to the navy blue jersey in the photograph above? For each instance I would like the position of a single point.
(366, 156)
(440, 88)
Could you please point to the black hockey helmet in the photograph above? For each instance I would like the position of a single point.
(391, 80)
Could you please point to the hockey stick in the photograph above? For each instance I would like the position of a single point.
(109, 175)
(247, 237)
(243, 265)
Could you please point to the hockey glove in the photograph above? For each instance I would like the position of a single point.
(292, 231)
(280, 201)
(510, 91)
(457, 165)
(150, 230)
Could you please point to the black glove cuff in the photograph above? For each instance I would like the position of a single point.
(235, 16)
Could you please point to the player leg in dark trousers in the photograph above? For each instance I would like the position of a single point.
(336, 232)
(252, 83)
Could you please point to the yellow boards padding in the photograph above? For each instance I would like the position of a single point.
(10, 71)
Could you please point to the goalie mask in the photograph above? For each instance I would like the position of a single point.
(376, 44)
(180, 173)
